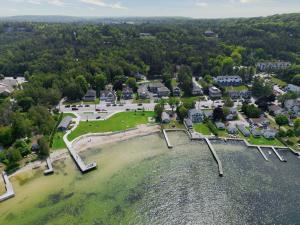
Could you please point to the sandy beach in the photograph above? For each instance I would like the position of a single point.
(97, 140)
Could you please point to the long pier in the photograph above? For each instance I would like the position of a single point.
(9, 188)
(263, 154)
(50, 168)
(278, 155)
(167, 139)
(221, 173)
(80, 163)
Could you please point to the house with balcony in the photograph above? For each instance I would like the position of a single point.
(143, 92)
(235, 94)
(90, 96)
(269, 65)
(108, 96)
(228, 80)
(196, 116)
(127, 93)
(163, 92)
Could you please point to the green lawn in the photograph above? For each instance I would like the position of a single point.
(237, 88)
(58, 142)
(263, 141)
(279, 82)
(202, 128)
(118, 122)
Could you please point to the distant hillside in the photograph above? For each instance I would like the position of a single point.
(70, 19)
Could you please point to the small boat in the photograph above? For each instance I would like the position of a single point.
(270, 153)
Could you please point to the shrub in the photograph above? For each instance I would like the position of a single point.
(212, 128)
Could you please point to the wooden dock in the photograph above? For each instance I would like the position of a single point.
(278, 155)
(80, 163)
(9, 188)
(263, 154)
(167, 139)
(50, 168)
(221, 173)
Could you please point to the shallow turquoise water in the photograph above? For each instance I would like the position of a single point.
(141, 181)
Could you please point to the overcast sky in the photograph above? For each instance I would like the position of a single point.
(117, 8)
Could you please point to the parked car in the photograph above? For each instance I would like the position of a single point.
(67, 106)
(108, 104)
(87, 106)
(74, 109)
(140, 104)
(98, 110)
(98, 117)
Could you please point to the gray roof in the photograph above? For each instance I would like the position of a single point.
(256, 132)
(232, 129)
(165, 116)
(228, 79)
(65, 122)
(220, 125)
(244, 130)
(188, 122)
(163, 88)
(90, 93)
(195, 111)
(156, 85)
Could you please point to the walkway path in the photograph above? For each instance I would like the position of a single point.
(215, 156)
(50, 168)
(80, 163)
(167, 139)
(9, 188)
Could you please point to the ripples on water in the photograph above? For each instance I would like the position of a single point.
(188, 189)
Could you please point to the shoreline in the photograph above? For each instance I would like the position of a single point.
(88, 142)
(91, 141)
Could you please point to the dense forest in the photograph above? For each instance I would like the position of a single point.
(60, 59)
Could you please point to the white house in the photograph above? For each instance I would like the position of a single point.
(268, 65)
(293, 88)
(228, 80)
(215, 92)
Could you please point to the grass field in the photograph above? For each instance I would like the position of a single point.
(202, 128)
(263, 141)
(118, 122)
(237, 88)
(58, 142)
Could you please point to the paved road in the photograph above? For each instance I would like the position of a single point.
(102, 111)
